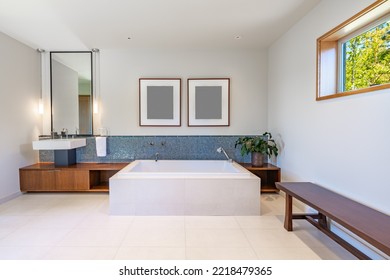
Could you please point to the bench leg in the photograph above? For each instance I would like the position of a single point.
(322, 221)
(288, 213)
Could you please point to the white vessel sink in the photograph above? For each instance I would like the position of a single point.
(59, 144)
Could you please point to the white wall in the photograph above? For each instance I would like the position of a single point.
(19, 118)
(343, 143)
(120, 71)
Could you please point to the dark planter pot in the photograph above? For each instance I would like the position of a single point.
(257, 159)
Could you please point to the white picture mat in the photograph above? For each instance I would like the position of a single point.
(192, 84)
(144, 121)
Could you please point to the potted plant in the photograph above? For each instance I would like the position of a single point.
(258, 146)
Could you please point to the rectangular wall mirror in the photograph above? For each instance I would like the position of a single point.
(71, 92)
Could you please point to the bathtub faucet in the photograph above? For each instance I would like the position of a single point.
(221, 150)
(156, 156)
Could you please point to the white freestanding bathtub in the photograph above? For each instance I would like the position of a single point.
(184, 187)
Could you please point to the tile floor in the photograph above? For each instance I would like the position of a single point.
(77, 226)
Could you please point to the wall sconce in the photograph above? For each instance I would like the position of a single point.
(43, 81)
(40, 107)
(96, 79)
(95, 106)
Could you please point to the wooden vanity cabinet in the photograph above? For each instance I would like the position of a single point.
(87, 177)
(71, 180)
(33, 180)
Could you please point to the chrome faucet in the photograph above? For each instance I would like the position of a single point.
(221, 150)
(64, 133)
(156, 156)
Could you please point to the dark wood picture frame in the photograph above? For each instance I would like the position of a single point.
(160, 102)
(208, 102)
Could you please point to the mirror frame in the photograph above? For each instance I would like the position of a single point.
(51, 88)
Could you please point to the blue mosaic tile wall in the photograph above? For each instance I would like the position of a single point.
(129, 148)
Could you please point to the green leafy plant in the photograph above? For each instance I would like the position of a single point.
(367, 58)
(263, 144)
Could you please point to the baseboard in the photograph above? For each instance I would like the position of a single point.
(9, 197)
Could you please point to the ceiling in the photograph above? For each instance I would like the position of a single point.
(139, 24)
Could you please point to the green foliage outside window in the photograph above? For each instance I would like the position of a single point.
(367, 58)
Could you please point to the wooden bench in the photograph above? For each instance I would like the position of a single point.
(367, 223)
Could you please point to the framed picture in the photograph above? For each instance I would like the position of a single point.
(208, 102)
(159, 101)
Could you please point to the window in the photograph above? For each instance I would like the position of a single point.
(354, 57)
(365, 57)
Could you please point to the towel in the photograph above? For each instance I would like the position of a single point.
(101, 146)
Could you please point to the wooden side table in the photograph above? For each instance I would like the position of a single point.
(268, 173)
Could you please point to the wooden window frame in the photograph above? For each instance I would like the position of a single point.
(328, 53)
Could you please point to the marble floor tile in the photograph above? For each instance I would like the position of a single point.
(77, 226)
